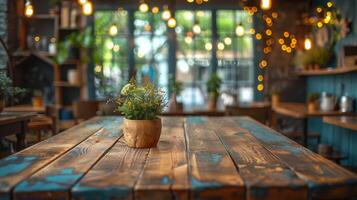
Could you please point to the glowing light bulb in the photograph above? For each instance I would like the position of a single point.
(110, 45)
(228, 41)
(113, 30)
(166, 15)
(29, 10)
(171, 23)
(196, 29)
(190, 1)
(260, 87)
(265, 4)
(307, 44)
(155, 10)
(87, 8)
(82, 2)
(116, 48)
(260, 78)
(220, 46)
(208, 46)
(143, 7)
(240, 30)
(188, 39)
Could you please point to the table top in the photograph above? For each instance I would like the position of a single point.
(25, 108)
(349, 122)
(300, 111)
(196, 158)
(12, 117)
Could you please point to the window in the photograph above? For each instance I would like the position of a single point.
(194, 51)
(151, 49)
(111, 73)
(235, 50)
(193, 54)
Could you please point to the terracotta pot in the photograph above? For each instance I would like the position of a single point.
(312, 107)
(2, 105)
(212, 103)
(142, 133)
(37, 101)
(275, 100)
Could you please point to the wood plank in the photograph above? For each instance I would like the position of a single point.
(165, 172)
(21, 165)
(56, 179)
(25, 108)
(114, 176)
(212, 173)
(324, 178)
(264, 175)
(13, 117)
(349, 122)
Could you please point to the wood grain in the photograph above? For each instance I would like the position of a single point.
(114, 176)
(23, 164)
(56, 179)
(212, 173)
(264, 175)
(326, 180)
(165, 175)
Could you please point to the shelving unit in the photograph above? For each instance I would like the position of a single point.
(47, 24)
(328, 71)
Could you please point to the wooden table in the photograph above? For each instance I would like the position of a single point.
(196, 158)
(300, 111)
(349, 122)
(25, 108)
(15, 123)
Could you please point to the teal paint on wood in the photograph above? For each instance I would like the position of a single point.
(343, 140)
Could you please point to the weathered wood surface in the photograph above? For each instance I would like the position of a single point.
(325, 179)
(196, 158)
(12, 117)
(213, 174)
(265, 176)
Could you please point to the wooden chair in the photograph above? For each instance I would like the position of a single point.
(44, 123)
(84, 110)
(260, 114)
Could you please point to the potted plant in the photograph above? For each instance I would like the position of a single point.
(37, 98)
(176, 88)
(140, 106)
(312, 102)
(213, 86)
(6, 90)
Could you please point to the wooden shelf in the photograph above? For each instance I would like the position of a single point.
(328, 71)
(28, 53)
(41, 16)
(65, 84)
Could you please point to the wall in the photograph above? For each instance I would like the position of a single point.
(3, 31)
(342, 140)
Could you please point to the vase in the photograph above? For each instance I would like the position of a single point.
(2, 105)
(212, 103)
(142, 133)
(312, 107)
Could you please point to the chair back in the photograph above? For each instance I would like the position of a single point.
(84, 110)
(260, 114)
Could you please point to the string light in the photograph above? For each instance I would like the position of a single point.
(228, 41)
(113, 30)
(208, 46)
(265, 4)
(116, 48)
(258, 36)
(110, 45)
(155, 10)
(240, 30)
(220, 46)
(29, 10)
(87, 8)
(171, 23)
(166, 14)
(329, 4)
(307, 44)
(196, 29)
(188, 39)
(82, 2)
(260, 78)
(260, 87)
(143, 7)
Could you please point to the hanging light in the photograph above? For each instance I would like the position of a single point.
(87, 8)
(166, 14)
(228, 41)
(196, 29)
(29, 11)
(155, 10)
(113, 30)
(82, 2)
(265, 4)
(143, 7)
(240, 30)
(171, 22)
(307, 43)
(220, 46)
(208, 46)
